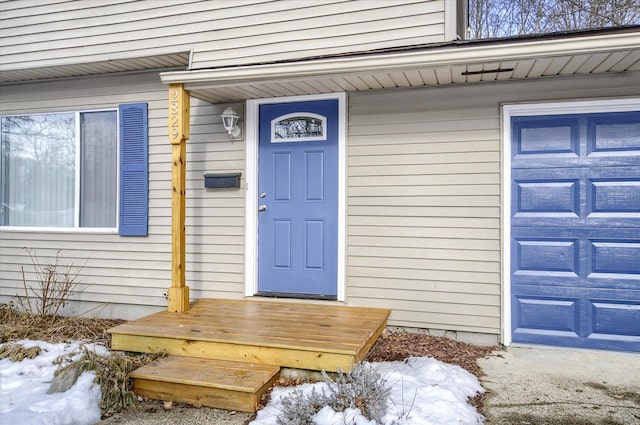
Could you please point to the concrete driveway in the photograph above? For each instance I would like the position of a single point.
(536, 385)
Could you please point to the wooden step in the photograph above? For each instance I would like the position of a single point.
(205, 382)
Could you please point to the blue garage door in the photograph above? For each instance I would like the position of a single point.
(575, 247)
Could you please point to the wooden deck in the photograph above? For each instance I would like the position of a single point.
(227, 353)
(297, 335)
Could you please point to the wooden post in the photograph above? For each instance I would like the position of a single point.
(178, 294)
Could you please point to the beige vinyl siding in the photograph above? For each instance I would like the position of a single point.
(215, 217)
(424, 197)
(221, 32)
(137, 270)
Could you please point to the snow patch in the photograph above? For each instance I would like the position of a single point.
(24, 385)
(424, 391)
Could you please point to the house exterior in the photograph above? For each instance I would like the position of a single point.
(484, 190)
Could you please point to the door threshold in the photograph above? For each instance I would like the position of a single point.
(297, 296)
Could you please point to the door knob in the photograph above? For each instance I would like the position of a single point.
(262, 208)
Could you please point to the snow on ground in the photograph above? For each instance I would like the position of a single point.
(424, 392)
(23, 390)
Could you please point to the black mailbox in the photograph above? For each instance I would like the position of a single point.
(222, 180)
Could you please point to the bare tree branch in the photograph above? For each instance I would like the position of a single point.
(506, 18)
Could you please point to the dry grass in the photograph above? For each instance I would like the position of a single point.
(16, 325)
(112, 371)
(112, 374)
(16, 352)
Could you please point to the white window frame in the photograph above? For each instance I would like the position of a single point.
(509, 111)
(76, 219)
(251, 202)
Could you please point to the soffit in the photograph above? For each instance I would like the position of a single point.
(452, 64)
(156, 62)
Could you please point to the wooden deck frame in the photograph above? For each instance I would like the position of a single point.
(289, 334)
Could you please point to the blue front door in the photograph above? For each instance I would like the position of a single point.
(575, 265)
(298, 199)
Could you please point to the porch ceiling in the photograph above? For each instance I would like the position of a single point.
(454, 63)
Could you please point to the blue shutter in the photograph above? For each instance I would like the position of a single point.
(134, 181)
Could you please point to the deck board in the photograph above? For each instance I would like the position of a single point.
(288, 334)
(235, 376)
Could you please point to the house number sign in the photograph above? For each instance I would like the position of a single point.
(178, 114)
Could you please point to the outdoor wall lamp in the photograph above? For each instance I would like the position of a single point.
(230, 120)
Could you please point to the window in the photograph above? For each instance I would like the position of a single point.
(60, 170)
(299, 127)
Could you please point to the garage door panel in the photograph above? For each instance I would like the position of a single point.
(582, 261)
(608, 342)
(614, 317)
(546, 135)
(617, 158)
(576, 197)
(547, 279)
(549, 314)
(575, 227)
(617, 281)
(588, 320)
(614, 158)
(546, 337)
(613, 133)
(613, 196)
(614, 257)
(541, 255)
(548, 196)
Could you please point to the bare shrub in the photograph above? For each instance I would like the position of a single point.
(112, 374)
(364, 389)
(54, 285)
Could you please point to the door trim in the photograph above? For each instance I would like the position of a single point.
(527, 109)
(251, 201)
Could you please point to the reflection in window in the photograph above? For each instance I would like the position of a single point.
(297, 128)
(38, 168)
(98, 170)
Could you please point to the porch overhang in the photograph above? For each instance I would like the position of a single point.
(57, 68)
(581, 53)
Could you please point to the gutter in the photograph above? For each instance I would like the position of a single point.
(442, 55)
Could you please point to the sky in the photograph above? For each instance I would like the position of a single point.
(424, 391)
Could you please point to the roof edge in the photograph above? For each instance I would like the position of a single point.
(461, 52)
(163, 61)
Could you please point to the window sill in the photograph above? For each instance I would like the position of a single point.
(83, 230)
